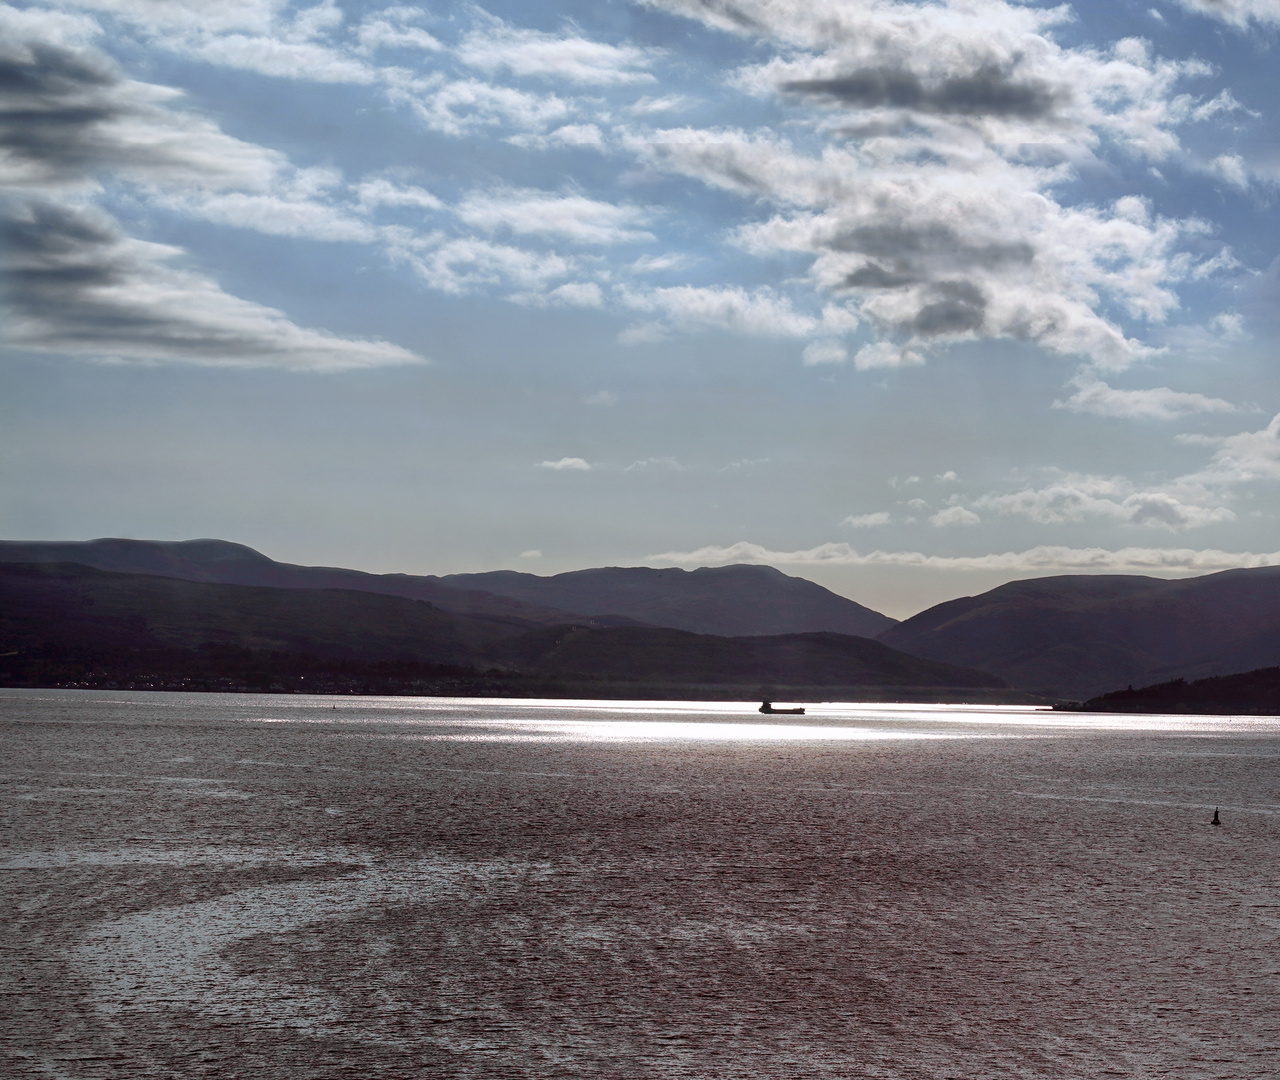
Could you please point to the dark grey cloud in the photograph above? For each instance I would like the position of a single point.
(960, 308)
(53, 103)
(72, 282)
(990, 91)
(934, 242)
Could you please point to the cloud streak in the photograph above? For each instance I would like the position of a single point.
(1042, 559)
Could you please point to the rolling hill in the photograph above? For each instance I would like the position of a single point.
(1080, 636)
(731, 601)
(68, 624)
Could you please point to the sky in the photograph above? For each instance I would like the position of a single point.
(910, 299)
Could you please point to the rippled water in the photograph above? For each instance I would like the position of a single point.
(258, 886)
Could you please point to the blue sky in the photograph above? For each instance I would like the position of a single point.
(907, 298)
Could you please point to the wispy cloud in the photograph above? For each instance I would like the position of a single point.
(1075, 498)
(575, 218)
(1160, 403)
(1239, 13)
(571, 463)
(1044, 558)
(866, 521)
(954, 515)
(498, 46)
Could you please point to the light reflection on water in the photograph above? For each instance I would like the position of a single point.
(523, 720)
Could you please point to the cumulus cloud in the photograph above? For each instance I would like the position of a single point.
(663, 464)
(532, 553)
(866, 521)
(1095, 396)
(1075, 498)
(540, 213)
(1042, 559)
(926, 207)
(571, 463)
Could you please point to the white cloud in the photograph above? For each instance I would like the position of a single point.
(1042, 559)
(657, 264)
(394, 29)
(1075, 498)
(460, 106)
(498, 46)
(379, 191)
(665, 464)
(954, 515)
(885, 354)
(1239, 13)
(532, 553)
(948, 477)
(1160, 403)
(866, 521)
(467, 264)
(1250, 455)
(825, 352)
(602, 397)
(540, 213)
(571, 463)
(760, 311)
(928, 205)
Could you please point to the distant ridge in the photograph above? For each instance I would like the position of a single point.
(1079, 636)
(70, 625)
(729, 600)
(227, 563)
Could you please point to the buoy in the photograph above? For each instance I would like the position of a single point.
(1215, 816)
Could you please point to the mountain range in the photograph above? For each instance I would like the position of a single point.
(730, 601)
(70, 624)
(1063, 637)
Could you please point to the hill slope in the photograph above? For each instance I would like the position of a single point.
(222, 562)
(678, 656)
(731, 601)
(1248, 693)
(70, 618)
(78, 607)
(1084, 635)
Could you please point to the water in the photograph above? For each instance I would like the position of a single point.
(257, 886)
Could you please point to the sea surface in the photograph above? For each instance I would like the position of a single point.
(252, 886)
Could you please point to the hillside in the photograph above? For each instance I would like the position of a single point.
(80, 607)
(66, 624)
(1079, 636)
(678, 656)
(730, 601)
(222, 562)
(1250, 693)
